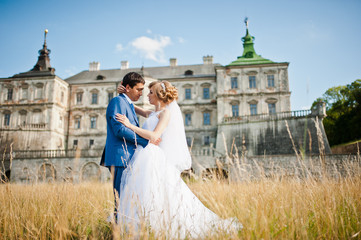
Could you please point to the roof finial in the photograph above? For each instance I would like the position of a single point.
(45, 32)
(246, 22)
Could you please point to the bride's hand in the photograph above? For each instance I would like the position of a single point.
(123, 119)
(121, 88)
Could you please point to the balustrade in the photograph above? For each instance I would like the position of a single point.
(268, 116)
(58, 153)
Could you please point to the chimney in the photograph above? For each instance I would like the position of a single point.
(124, 65)
(94, 66)
(207, 60)
(173, 62)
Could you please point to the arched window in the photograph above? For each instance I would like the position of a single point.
(100, 77)
(47, 173)
(188, 73)
(90, 172)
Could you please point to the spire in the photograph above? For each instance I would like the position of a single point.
(249, 55)
(42, 67)
(248, 49)
(43, 63)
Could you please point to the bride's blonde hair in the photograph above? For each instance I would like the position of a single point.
(165, 91)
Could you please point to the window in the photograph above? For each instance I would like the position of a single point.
(77, 122)
(253, 109)
(79, 97)
(60, 122)
(39, 92)
(75, 143)
(272, 108)
(252, 81)
(188, 73)
(37, 116)
(94, 98)
(206, 118)
(271, 80)
(100, 77)
(235, 110)
(23, 114)
(10, 94)
(93, 122)
(7, 119)
(62, 97)
(188, 93)
(110, 96)
(234, 82)
(188, 119)
(206, 140)
(91, 142)
(24, 93)
(189, 141)
(206, 93)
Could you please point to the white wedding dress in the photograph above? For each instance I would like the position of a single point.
(153, 193)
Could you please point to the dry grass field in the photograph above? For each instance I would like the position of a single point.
(268, 209)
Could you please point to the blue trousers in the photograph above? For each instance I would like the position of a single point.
(116, 173)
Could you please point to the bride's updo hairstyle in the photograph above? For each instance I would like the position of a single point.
(164, 91)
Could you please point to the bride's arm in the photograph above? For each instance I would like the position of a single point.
(138, 110)
(142, 112)
(150, 135)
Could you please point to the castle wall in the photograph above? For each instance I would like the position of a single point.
(272, 136)
(79, 169)
(60, 169)
(315, 166)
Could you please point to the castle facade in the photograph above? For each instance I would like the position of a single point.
(44, 117)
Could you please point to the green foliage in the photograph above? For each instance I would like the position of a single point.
(343, 105)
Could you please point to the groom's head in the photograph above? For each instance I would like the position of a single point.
(134, 85)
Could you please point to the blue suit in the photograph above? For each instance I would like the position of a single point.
(121, 141)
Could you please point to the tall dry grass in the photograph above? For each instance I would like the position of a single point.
(268, 209)
(55, 211)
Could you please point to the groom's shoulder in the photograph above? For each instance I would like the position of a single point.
(118, 98)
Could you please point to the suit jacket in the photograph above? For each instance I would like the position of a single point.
(121, 141)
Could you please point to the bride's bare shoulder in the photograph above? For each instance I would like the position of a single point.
(164, 114)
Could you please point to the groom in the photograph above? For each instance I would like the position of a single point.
(121, 141)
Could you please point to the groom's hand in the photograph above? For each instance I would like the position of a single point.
(156, 142)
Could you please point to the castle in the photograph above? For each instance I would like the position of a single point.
(57, 127)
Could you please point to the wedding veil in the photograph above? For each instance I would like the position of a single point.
(174, 143)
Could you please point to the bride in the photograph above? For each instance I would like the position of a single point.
(153, 192)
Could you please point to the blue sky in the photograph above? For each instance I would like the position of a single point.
(320, 38)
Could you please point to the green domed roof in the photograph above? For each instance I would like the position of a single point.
(249, 55)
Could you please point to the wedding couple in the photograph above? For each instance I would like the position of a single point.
(146, 164)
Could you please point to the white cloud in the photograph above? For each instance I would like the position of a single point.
(181, 40)
(119, 47)
(149, 31)
(152, 48)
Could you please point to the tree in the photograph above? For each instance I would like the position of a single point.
(343, 108)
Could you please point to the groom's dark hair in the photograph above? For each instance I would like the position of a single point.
(132, 79)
